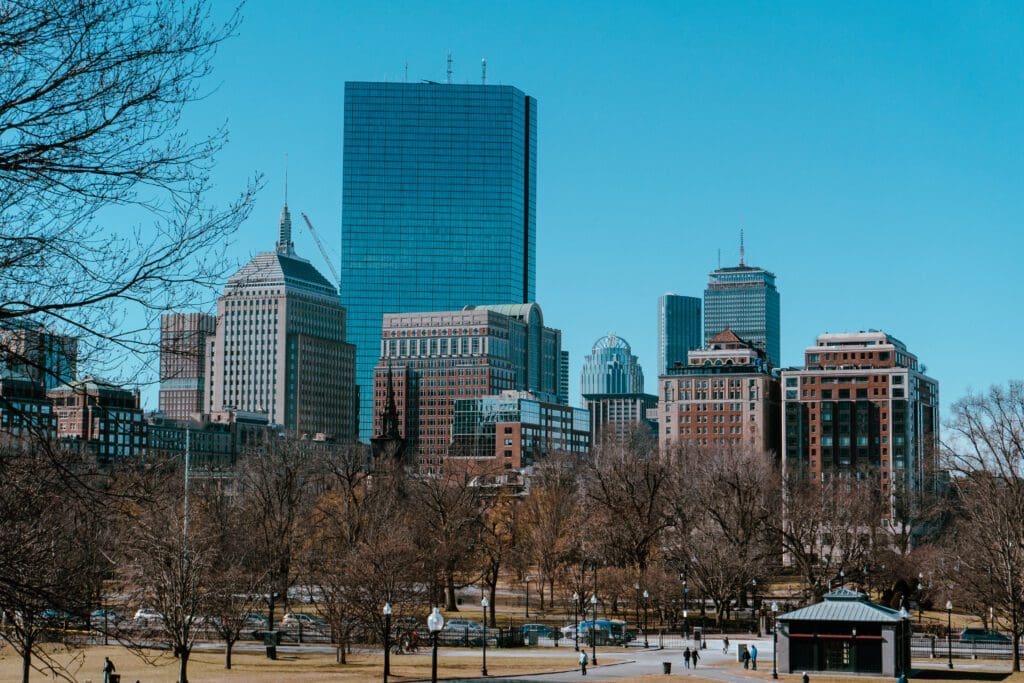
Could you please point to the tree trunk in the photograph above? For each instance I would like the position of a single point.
(183, 664)
(449, 580)
(344, 643)
(227, 654)
(26, 661)
(540, 592)
(1016, 638)
(339, 654)
(494, 589)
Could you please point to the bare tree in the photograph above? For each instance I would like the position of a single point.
(50, 547)
(550, 534)
(91, 98)
(628, 487)
(986, 454)
(448, 526)
(167, 557)
(278, 481)
(827, 526)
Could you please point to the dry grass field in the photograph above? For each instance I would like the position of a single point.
(208, 667)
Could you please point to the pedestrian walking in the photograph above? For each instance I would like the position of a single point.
(108, 668)
(686, 658)
(725, 645)
(746, 659)
(583, 662)
(753, 657)
(694, 656)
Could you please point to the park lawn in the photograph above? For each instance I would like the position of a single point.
(86, 664)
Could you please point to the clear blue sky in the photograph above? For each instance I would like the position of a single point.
(871, 151)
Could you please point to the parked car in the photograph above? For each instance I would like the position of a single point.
(105, 618)
(463, 624)
(254, 620)
(145, 616)
(541, 630)
(568, 631)
(293, 620)
(983, 635)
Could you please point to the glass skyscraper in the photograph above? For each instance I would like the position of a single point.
(439, 206)
(679, 329)
(611, 368)
(744, 299)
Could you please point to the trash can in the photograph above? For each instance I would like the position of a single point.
(115, 678)
(741, 649)
(666, 667)
(271, 639)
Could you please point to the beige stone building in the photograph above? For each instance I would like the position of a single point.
(280, 347)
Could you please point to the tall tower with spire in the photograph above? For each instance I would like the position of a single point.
(744, 299)
(280, 347)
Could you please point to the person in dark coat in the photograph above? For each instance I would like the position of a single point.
(108, 668)
(694, 656)
(686, 658)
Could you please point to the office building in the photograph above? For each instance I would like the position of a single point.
(744, 299)
(429, 360)
(861, 407)
(280, 346)
(563, 379)
(513, 430)
(46, 357)
(679, 329)
(725, 396)
(611, 368)
(438, 205)
(612, 384)
(25, 411)
(183, 341)
(100, 416)
(616, 416)
(214, 441)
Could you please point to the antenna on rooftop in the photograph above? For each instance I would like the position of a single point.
(286, 178)
(449, 67)
(741, 247)
(719, 259)
(483, 70)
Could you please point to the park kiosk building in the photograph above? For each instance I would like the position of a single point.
(844, 633)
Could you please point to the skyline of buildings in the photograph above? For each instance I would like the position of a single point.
(438, 206)
(428, 360)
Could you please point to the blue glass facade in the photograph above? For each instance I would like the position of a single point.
(439, 207)
(745, 300)
(611, 368)
(679, 329)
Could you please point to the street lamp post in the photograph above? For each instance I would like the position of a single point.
(483, 664)
(775, 640)
(435, 622)
(949, 631)
(686, 623)
(636, 605)
(905, 625)
(753, 607)
(920, 585)
(576, 620)
(387, 641)
(646, 595)
(527, 582)
(593, 630)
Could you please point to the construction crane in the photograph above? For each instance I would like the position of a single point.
(320, 245)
